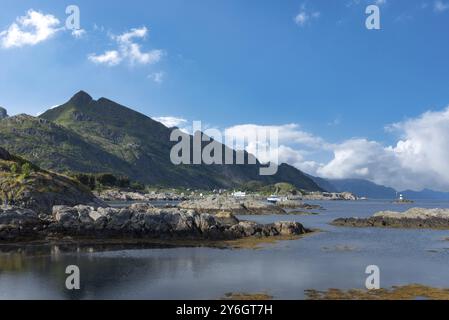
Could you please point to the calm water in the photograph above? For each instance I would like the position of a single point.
(334, 258)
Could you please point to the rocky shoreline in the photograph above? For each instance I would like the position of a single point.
(415, 218)
(140, 221)
(117, 195)
(216, 204)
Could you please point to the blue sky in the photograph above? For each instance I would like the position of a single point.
(245, 62)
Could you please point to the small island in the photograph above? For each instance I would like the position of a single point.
(415, 218)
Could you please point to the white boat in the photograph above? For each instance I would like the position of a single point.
(239, 194)
(273, 199)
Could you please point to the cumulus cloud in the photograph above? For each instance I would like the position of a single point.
(29, 30)
(128, 50)
(292, 144)
(110, 58)
(417, 160)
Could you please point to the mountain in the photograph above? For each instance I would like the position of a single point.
(324, 184)
(425, 194)
(365, 188)
(54, 147)
(91, 136)
(359, 187)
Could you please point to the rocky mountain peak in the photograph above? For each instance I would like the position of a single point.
(81, 98)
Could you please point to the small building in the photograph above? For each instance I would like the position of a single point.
(239, 194)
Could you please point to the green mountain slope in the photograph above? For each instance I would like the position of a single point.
(26, 185)
(87, 135)
(54, 147)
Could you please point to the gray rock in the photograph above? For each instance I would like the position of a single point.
(3, 113)
(415, 218)
(137, 220)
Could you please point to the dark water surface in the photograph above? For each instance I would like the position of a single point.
(334, 258)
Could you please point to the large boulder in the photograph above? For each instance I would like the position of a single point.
(5, 155)
(18, 222)
(3, 113)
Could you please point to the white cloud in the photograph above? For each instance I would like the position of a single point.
(288, 133)
(79, 33)
(419, 158)
(157, 77)
(171, 122)
(305, 16)
(129, 50)
(110, 58)
(440, 6)
(31, 29)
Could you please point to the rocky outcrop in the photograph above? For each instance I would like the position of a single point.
(117, 195)
(136, 221)
(18, 223)
(25, 185)
(347, 196)
(5, 155)
(416, 218)
(296, 204)
(246, 206)
(3, 113)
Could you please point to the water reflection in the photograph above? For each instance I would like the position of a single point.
(336, 257)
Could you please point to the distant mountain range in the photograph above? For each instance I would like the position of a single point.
(93, 136)
(365, 188)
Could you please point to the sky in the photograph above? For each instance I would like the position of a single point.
(348, 102)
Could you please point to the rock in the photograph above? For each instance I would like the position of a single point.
(288, 228)
(172, 223)
(330, 196)
(135, 221)
(118, 195)
(16, 223)
(141, 207)
(226, 218)
(39, 190)
(415, 218)
(3, 113)
(216, 204)
(5, 155)
(295, 204)
(95, 215)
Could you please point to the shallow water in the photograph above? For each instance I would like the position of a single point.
(333, 258)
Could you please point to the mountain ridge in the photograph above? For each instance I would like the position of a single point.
(93, 136)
